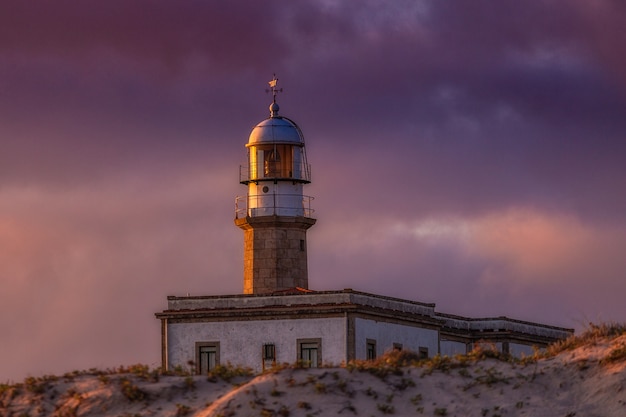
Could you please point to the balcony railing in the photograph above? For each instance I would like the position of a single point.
(273, 205)
(302, 174)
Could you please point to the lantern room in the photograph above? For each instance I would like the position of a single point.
(276, 152)
(276, 171)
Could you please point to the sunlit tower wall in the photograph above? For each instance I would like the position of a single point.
(275, 214)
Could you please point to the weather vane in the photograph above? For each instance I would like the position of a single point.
(273, 88)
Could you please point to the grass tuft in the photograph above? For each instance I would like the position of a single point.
(616, 355)
(131, 391)
(590, 336)
(228, 372)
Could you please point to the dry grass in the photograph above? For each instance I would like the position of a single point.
(389, 364)
(590, 336)
(228, 372)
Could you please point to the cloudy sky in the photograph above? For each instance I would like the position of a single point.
(466, 153)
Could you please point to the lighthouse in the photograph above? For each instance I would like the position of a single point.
(278, 319)
(275, 214)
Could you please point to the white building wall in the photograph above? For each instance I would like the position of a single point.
(386, 334)
(451, 348)
(241, 341)
(519, 350)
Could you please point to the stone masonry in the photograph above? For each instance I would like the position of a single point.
(275, 253)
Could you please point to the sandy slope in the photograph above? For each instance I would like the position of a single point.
(573, 383)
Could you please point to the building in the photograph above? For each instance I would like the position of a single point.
(278, 319)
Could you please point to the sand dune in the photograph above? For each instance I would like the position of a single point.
(585, 377)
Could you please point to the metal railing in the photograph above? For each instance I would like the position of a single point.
(273, 205)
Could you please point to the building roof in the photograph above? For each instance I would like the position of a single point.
(276, 130)
(306, 303)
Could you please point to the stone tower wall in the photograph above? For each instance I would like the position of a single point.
(275, 253)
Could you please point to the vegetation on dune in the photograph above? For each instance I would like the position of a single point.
(395, 363)
(125, 378)
(591, 336)
(396, 368)
(390, 363)
(228, 372)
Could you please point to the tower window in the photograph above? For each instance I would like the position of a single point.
(302, 245)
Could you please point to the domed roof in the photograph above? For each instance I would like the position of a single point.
(276, 129)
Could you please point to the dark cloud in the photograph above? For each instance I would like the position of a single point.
(229, 35)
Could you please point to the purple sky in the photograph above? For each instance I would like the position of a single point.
(470, 154)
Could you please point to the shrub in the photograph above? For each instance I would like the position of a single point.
(182, 410)
(483, 350)
(190, 383)
(342, 385)
(492, 376)
(320, 388)
(386, 408)
(35, 385)
(415, 400)
(390, 363)
(228, 372)
(132, 391)
(439, 363)
(304, 405)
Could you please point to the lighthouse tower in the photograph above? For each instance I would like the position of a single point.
(275, 214)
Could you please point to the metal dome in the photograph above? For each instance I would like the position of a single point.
(276, 129)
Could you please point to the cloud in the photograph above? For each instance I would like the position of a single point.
(150, 32)
(518, 262)
(525, 246)
(79, 261)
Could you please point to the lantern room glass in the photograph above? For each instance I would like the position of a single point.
(275, 161)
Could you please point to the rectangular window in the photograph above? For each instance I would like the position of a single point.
(310, 352)
(207, 356)
(423, 352)
(268, 355)
(370, 349)
(269, 352)
(397, 347)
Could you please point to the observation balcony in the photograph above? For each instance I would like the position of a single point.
(295, 205)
